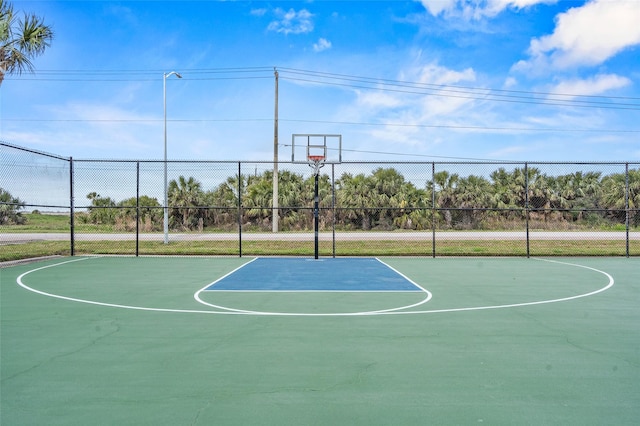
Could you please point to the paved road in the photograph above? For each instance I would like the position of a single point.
(11, 238)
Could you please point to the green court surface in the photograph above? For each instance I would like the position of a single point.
(148, 341)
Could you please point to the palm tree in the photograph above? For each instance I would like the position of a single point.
(258, 198)
(387, 187)
(20, 40)
(413, 211)
(150, 213)
(224, 200)
(388, 181)
(576, 191)
(355, 197)
(613, 198)
(325, 201)
(473, 196)
(102, 209)
(185, 196)
(445, 187)
(504, 196)
(401, 196)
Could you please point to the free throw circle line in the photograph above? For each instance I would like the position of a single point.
(610, 284)
(358, 313)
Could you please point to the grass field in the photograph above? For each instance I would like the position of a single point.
(371, 244)
(39, 222)
(305, 248)
(122, 340)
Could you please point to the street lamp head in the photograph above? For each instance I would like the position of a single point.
(167, 75)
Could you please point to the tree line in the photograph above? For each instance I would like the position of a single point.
(384, 200)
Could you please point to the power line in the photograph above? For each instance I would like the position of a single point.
(400, 154)
(351, 81)
(344, 123)
(446, 126)
(142, 75)
(488, 96)
(443, 86)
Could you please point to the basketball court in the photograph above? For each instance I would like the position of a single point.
(106, 340)
(198, 340)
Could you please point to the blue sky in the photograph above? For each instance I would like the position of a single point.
(534, 80)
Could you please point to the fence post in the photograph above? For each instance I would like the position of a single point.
(71, 208)
(239, 209)
(333, 206)
(626, 205)
(137, 208)
(526, 203)
(316, 214)
(433, 209)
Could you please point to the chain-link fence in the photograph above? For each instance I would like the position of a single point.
(56, 205)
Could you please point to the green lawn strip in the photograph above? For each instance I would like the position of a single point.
(9, 252)
(60, 223)
(305, 248)
(40, 223)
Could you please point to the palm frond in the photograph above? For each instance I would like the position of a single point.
(20, 40)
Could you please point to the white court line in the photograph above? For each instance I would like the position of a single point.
(92, 302)
(403, 276)
(540, 302)
(249, 312)
(610, 284)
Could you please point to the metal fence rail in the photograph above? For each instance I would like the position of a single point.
(51, 204)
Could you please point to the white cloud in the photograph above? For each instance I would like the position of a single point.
(400, 112)
(510, 82)
(292, 22)
(435, 74)
(476, 9)
(596, 85)
(517, 4)
(322, 44)
(258, 12)
(587, 35)
(378, 100)
(436, 7)
(438, 101)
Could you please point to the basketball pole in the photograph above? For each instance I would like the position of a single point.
(316, 213)
(316, 158)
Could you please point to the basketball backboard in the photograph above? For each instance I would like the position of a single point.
(307, 147)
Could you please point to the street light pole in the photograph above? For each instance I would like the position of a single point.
(166, 192)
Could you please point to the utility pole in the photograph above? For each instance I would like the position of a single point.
(275, 218)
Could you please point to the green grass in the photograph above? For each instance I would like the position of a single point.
(305, 248)
(28, 250)
(53, 223)
(60, 223)
(40, 223)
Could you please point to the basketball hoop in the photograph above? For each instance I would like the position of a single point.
(316, 150)
(316, 162)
